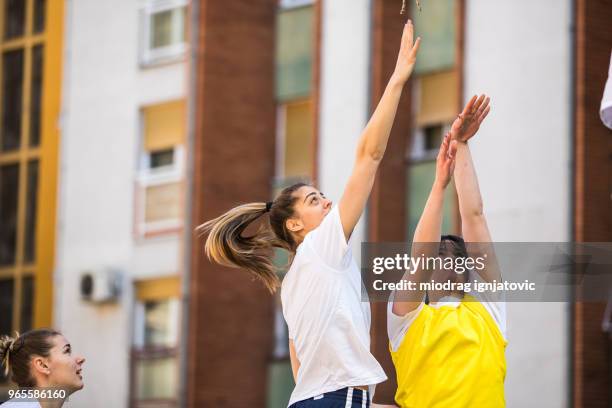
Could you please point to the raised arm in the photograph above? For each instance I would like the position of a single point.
(473, 222)
(427, 234)
(373, 141)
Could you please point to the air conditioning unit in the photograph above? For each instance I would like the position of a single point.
(101, 286)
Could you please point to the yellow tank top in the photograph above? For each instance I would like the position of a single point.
(451, 357)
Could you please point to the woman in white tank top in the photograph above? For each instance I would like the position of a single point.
(329, 324)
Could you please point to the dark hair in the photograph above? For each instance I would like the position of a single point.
(453, 244)
(450, 245)
(16, 353)
(227, 246)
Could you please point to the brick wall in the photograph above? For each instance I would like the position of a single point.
(231, 317)
(387, 207)
(593, 181)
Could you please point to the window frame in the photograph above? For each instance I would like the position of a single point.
(417, 153)
(155, 56)
(44, 151)
(150, 177)
(160, 176)
(281, 141)
(153, 289)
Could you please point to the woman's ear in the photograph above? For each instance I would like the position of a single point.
(41, 365)
(294, 225)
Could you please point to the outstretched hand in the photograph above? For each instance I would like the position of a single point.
(468, 122)
(445, 162)
(407, 53)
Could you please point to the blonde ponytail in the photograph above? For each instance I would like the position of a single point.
(227, 246)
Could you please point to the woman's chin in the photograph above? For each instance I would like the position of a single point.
(76, 386)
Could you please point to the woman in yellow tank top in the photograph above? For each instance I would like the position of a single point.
(449, 351)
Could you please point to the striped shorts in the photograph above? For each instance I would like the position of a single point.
(348, 397)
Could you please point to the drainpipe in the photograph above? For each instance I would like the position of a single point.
(572, 195)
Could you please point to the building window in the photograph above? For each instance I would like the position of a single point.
(14, 307)
(295, 155)
(435, 98)
(295, 120)
(294, 52)
(421, 174)
(161, 158)
(438, 24)
(163, 31)
(27, 157)
(161, 175)
(155, 359)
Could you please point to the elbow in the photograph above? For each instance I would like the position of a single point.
(474, 213)
(368, 152)
(474, 217)
(374, 157)
(370, 157)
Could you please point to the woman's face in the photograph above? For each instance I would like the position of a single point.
(65, 368)
(310, 208)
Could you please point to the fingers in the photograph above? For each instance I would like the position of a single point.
(470, 104)
(448, 149)
(409, 33)
(483, 106)
(478, 103)
(483, 110)
(446, 159)
(408, 42)
(449, 158)
(415, 49)
(452, 149)
(443, 152)
(484, 114)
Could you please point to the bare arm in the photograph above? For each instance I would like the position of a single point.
(427, 234)
(373, 141)
(473, 222)
(295, 363)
